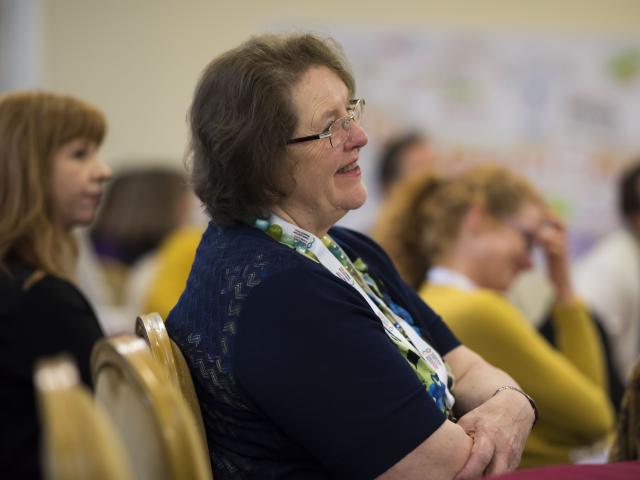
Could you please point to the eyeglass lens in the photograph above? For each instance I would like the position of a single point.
(528, 236)
(341, 128)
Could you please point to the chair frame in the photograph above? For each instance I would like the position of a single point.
(79, 440)
(150, 327)
(131, 357)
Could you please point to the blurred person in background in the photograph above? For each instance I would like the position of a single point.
(143, 207)
(51, 181)
(461, 242)
(404, 155)
(608, 277)
(310, 357)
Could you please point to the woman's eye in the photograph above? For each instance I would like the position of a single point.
(80, 153)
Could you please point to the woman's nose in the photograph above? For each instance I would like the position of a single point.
(357, 136)
(103, 171)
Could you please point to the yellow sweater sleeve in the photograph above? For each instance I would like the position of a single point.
(572, 408)
(175, 257)
(578, 340)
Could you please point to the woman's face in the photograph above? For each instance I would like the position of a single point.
(504, 248)
(78, 175)
(328, 181)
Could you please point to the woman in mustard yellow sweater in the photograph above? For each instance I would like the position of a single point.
(461, 242)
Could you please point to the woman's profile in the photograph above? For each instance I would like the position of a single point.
(51, 180)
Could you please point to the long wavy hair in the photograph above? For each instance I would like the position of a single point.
(33, 126)
(421, 219)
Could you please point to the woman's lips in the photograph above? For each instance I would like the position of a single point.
(350, 169)
(95, 197)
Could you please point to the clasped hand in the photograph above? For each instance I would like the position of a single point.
(499, 429)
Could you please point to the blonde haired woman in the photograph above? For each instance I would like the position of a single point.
(462, 242)
(50, 181)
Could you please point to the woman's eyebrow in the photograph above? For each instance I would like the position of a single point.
(322, 119)
(335, 112)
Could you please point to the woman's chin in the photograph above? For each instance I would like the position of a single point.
(359, 199)
(500, 285)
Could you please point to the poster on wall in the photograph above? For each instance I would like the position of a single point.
(564, 111)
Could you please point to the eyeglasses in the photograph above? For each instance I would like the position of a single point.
(529, 236)
(340, 130)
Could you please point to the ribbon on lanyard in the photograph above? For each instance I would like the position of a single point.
(330, 255)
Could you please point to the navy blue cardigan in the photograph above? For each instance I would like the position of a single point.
(294, 372)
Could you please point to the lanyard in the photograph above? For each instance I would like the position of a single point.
(330, 255)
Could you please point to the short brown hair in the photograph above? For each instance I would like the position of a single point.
(422, 216)
(142, 206)
(33, 126)
(242, 116)
(391, 157)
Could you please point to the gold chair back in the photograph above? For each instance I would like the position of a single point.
(78, 439)
(153, 418)
(151, 328)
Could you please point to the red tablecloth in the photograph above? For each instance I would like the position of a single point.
(609, 471)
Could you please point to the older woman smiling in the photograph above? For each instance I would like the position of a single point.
(311, 358)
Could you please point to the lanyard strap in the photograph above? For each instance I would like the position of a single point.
(330, 255)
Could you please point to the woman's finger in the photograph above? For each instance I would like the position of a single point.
(481, 456)
(499, 463)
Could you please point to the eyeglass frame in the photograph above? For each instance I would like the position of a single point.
(353, 103)
(530, 237)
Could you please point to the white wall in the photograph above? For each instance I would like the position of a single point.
(21, 44)
(139, 60)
